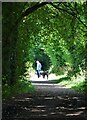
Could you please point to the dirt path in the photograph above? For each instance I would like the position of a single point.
(48, 101)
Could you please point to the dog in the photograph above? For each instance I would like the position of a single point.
(44, 73)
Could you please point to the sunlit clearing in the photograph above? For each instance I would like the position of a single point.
(33, 77)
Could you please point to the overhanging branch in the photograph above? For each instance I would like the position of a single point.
(31, 10)
(70, 13)
(75, 13)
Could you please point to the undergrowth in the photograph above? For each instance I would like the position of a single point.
(22, 86)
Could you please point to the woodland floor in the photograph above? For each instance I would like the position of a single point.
(48, 101)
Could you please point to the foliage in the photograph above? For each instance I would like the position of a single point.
(78, 83)
(10, 14)
(22, 86)
(59, 29)
(81, 86)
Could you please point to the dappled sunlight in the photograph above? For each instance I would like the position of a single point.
(72, 82)
(37, 110)
(54, 34)
(52, 113)
(40, 106)
(81, 108)
(28, 98)
(59, 97)
(48, 98)
(75, 113)
(48, 105)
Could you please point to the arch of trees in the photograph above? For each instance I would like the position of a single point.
(59, 29)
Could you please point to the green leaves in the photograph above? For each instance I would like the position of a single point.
(56, 28)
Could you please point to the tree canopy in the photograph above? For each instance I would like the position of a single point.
(56, 32)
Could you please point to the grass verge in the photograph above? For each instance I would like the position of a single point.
(78, 83)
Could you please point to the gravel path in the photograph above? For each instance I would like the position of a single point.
(48, 101)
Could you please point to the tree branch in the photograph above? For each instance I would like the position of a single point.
(61, 9)
(75, 13)
(31, 9)
(26, 13)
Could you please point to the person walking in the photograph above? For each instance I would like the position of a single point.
(38, 69)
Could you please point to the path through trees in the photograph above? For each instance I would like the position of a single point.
(48, 101)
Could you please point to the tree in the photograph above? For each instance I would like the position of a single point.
(60, 33)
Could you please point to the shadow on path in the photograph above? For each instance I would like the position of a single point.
(48, 101)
